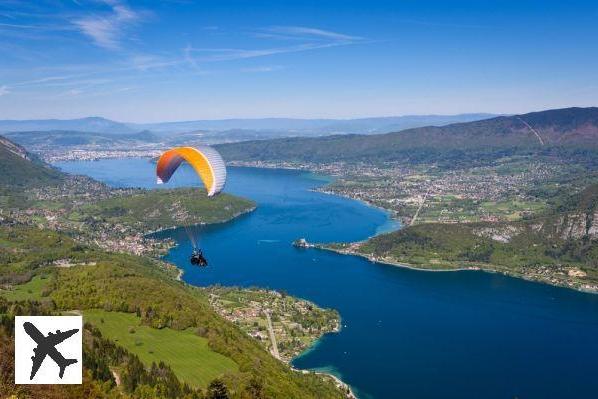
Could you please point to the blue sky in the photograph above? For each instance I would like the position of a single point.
(148, 61)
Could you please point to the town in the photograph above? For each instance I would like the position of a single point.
(283, 324)
(505, 190)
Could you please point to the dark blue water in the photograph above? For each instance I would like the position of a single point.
(406, 333)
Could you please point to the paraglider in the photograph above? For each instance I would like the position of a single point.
(210, 167)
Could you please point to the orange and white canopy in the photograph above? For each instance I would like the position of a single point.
(206, 161)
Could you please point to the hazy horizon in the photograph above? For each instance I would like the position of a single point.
(258, 118)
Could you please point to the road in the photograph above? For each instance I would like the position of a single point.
(419, 209)
(275, 352)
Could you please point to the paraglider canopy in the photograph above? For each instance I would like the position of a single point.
(206, 161)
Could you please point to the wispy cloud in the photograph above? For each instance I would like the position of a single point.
(312, 38)
(107, 30)
(145, 62)
(73, 92)
(17, 26)
(303, 32)
(231, 54)
(262, 69)
(441, 24)
(77, 92)
(42, 80)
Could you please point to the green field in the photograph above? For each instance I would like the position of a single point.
(28, 291)
(185, 352)
(512, 209)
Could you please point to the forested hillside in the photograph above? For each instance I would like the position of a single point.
(123, 283)
(557, 132)
(560, 245)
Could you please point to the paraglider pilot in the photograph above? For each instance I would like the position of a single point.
(198, 259)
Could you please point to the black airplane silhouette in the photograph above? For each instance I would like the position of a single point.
(47, 346)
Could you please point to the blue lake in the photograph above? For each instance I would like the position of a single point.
(406, 333)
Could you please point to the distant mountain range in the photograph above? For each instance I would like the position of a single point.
(569, 127)
(322, 140)
(91, 124)
(312, 127)
(67, 139)
(239, 129)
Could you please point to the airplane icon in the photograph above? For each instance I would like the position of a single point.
(47, 346)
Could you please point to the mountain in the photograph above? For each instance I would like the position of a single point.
(311, 127)
(26, 170)
(570, 127)
(40, 135)
(90, 124)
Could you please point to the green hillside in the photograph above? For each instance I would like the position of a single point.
(99, 281)
(155, 209)
(188, 354)
(25, 169)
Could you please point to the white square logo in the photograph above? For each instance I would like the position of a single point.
(48, 349)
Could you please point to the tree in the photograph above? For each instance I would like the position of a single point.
(217, 390)
(255, 388)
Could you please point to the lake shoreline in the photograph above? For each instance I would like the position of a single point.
(388, 262)
(229, 219)
(392, 216)
(343, 386)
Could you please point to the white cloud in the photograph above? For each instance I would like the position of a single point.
(107, 30)
(4, 90)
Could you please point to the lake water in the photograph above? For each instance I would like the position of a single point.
(406, 333)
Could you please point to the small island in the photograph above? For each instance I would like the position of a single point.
(302, 243)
